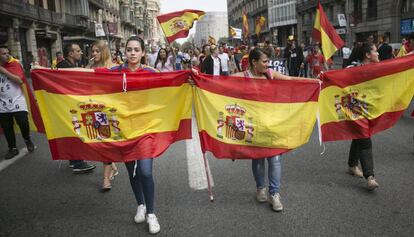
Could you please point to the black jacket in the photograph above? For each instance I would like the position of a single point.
(66, 64)
(208, 65)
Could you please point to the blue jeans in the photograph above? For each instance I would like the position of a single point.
(274, 173)
(142, 183)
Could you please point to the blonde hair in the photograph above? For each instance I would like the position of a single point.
(106, 59)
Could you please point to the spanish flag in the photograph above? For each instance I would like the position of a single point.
(212, 40)
(111, 118)
(177, 25)
(326, 34)
(240, 118)
(361, 101)
(260, 23)
(245, 25)
(35, 121)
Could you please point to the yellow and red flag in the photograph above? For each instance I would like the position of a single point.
(177, 25)
(325, 33)
(361, 101)
(245, 25)
(240, 118)
(35, 121)
(260, 23)
(103, 117)
(212, 40)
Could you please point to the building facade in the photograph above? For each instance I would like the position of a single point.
(282, 20)
(254, 9)
(394, 18)
(212, 24)
(37, 29)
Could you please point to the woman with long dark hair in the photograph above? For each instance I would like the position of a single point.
(361, 149)
(140, 171)
(164, 61)
(258, 69)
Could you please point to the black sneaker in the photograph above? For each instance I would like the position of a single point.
(83, 168)
(11, 153)
(30, 146)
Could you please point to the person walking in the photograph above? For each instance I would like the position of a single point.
(101, 57)
(73, 54)
(258, 69)
(13, 104)
(140, 171)
(294, 57)
(361, 149)
(385, 50)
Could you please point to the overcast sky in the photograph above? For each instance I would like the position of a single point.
(203, 5)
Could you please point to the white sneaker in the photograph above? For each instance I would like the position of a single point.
(140, 216)
(261, 195)
(274, 200)
(153, 225)
(372, 183)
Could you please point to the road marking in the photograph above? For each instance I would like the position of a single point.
(196, 172)
(5, 163)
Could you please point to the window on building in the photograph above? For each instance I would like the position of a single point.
(407, 6)
(357, 14)
(372, 9)
(51, 5)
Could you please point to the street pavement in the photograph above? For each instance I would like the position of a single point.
(41, 197)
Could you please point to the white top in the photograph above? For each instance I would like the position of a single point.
(11, 96)
(216, 66)
(224, 62)
(151, 59)
(168, 66)
(346, 52)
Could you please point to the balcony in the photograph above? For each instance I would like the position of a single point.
(98, 3)
(19, 8)
(76, 21)
(25, 10)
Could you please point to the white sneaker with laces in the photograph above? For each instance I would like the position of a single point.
(153, 224)
(140, 216)
(274, 200)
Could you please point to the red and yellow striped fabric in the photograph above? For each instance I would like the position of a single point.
(88, 115)
(35, 121)
(177, 25)
(245, 25)
(241, 118)
(362, 101)
(325, 33)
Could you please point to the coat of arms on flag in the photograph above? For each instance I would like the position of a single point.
(95, 119)
(351, 106)
(236, 125)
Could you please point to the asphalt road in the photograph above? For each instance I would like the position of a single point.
(41, 197)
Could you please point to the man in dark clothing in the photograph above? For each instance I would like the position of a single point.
(385, 50)
(294, 56)
(73, 54)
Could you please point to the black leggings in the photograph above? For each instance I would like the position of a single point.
(6, 122)
(361, 150)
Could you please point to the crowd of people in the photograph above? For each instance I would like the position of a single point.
(252, 62)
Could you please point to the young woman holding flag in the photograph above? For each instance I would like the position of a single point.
(140, 171)
(258, 69)
(361, 149)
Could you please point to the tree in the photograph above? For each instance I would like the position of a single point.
(186, 45)
(175, 44)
